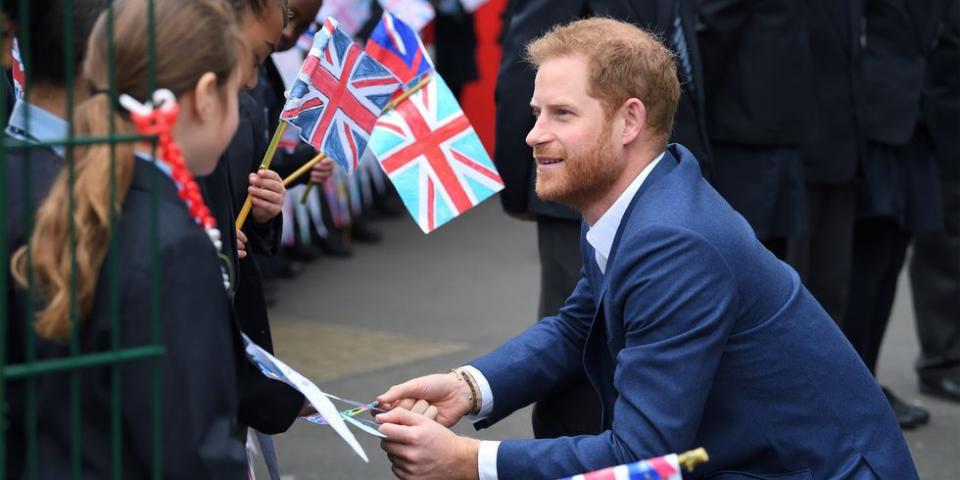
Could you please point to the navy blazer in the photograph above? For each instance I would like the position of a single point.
(199, 401)
(697, 336)
(835, 29)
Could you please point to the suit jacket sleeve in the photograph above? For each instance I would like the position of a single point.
(198, 392)
(677, 299)
(541, 360)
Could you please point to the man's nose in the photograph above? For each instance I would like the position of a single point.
(538, 134)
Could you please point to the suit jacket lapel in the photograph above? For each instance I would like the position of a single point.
(666, 164)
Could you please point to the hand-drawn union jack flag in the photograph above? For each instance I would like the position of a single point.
(394, 44)
(19, 77)
(338, 95)
(431, 153)
(659, 468)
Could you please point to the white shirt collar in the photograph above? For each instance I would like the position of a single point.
(601, 234)
(43, 125)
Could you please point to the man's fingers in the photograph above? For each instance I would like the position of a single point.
(397, 451)
(410, 389)
(431, 412)
(419, 407)
(406, 404)
(398, 434)
(401, 416)
(242, 237)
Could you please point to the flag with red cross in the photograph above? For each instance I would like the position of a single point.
(434, 158)
(338, 95)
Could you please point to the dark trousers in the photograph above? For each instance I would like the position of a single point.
(879, 248)
(823, 257)
(935, 282)
(575, 410)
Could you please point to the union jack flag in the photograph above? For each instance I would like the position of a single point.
(431, 153)
(338, 95)
(659, 468)
(19, 77)
(394, 44)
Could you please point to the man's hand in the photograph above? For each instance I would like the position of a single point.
(421, 448)
(322, 170)
(266, 191)
(444, 391)
(241, 244)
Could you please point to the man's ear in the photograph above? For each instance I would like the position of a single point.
(206, 100)
(634, 120)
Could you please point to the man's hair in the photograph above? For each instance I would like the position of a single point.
(624, 62)
(44, 36)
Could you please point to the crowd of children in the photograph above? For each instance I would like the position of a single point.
(125, 245)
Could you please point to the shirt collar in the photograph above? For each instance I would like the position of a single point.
(601, 234)
(156, 162)
(44, 126)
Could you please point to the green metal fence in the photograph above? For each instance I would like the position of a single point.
(32, 370)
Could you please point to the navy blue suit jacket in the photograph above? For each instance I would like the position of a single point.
(697, 336)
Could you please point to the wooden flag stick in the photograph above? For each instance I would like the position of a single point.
(306, 193)
(264, 164)
(390, 106)
(304, 169)
(405, 95)
(691, 459)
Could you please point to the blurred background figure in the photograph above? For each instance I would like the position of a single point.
(831, 152)
(900, 193)
(758, 86)
(935, 264)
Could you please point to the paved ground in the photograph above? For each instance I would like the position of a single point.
(418, 304)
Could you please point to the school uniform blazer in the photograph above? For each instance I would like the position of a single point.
(758, 71)
(43, 165)
(697, 336)
(899, 37)
(266, 405)
(198, 382)
(835, 29)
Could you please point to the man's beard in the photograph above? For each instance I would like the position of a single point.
(582, 179)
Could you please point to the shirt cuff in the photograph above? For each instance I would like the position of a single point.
(486, 395)
(487, 460)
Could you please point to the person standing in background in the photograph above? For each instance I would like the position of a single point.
(935, 265)
(758, 82)
(40, 118)
(831, 153)
(900, 194)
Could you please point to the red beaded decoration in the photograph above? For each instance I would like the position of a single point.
(159, 121)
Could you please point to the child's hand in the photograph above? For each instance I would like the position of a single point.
(267, 192)
(322, 170)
